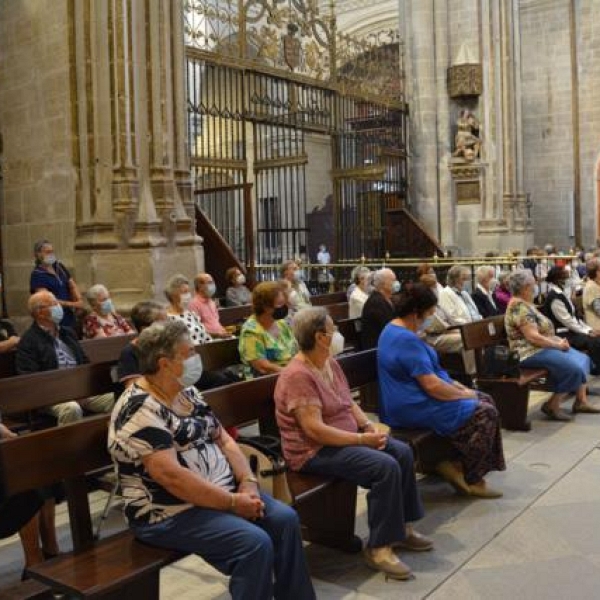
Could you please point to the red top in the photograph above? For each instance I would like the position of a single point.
(206, 309)
(95, 326)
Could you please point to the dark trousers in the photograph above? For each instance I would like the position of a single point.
(588, 344)
(393, 498)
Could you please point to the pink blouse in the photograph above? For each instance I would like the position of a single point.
(300, 384)
(92, 325)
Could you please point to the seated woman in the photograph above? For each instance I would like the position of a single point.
(360, 294)
(591, 294)
(323, 431)
(501, 292)
(237, 294)
(531, 334)
(416, 392)
(8, 335)
(32, 515)
(103, 321)
(187, 485)
(297, 293)
(267, 343)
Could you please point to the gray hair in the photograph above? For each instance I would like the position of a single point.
(359, 272)
(93, 293)
(520, 279)
(379, 277)
(503, 276)
(484, 272)
(307, 322)
(157, 341)
(174, 284)
(144, 313)
(455, 273)
(37, 247)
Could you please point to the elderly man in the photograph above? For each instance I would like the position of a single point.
(455, 301)
(378, 310)
(205, 307)
(46, 345)
(482, 296)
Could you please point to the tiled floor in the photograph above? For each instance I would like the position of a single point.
(541, 540)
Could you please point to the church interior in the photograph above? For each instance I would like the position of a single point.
(156, 155)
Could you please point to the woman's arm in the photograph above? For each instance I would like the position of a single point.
(164, 468)
(264, 366)
(310, 420)
(362, 421)
(533, 336)
(440, 390)
(76, 300)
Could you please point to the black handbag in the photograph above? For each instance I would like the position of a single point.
(501, 361)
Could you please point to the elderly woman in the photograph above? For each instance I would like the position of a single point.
(501, 292)
(360, 295)
(324, 432)
(455, 300)
(483, 295)
(187, 485)
(591, 294)
(51, 275)
(298, 296)
(531, 334)
(103, 321)
(179, 296)
(236, 294)
(267, 343)
(416, 392)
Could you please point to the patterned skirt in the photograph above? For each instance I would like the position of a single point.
(479, 441)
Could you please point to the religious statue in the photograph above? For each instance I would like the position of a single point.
(467, 141)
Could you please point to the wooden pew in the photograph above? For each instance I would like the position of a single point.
(510, 394)
(234, 315)
(328, 299)
(338, 311)
(348, 328)
(219, 354)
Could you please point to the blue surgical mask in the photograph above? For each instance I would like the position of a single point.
(49, 259)
(57, 313)
(185, 300)
(298, 275)
(192, 371)
(425, 324)
(396, 287)
(107, 307)
(211, 288)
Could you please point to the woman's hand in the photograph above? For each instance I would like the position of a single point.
(248, 507)
(562, 344)
(6, 433)
(249, 487)
(374, 440)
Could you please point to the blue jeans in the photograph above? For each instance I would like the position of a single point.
(568, 371)
(388, 474)
(252, 553)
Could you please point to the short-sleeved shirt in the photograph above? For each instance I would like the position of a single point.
(402, 357)
(300, 384)
(141, 425)
(93, 323)
(518, 314)
(257, 343)
(206, 310)
(197, 331)
(238, 295)
(6, 330)
(58, 284)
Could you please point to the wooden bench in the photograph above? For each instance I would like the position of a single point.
(349, 329)
(327, 299)
(510, 394)
(337, 311)
(219, 354)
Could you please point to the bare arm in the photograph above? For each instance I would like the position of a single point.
(533, 336)
(9, 344)
(445, 392)
(362, 420)
(264, 366)
(310, 421)
(76, 300)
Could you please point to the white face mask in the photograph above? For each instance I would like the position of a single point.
(240, 279)
(211, 289)
(49, 259)
(185, 299)
(425, 324)
(192, 370)
(298, 275)
(337, 343)
(396, 286)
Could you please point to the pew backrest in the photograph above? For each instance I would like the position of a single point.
(219, 354)
(106, 349)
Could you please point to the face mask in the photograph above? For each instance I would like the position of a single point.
(281, 312)
(337, 343)
(185, 300)
(297, 275)
(493, 284)
(106, 307)
(49, 259)
(240, 279)
(575, 264)
(425, 324)
(192, 371)
(56, 313)
(396, 287)
(211, 288)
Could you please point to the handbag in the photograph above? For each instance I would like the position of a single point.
(268, 465)
(501, 361)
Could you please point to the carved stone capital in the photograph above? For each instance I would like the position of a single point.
(465, 80)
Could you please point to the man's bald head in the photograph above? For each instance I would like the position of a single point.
(40, 300)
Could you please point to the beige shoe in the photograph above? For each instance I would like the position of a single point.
(454, 476)
(414, 542)
(483, 491)
(390, 565)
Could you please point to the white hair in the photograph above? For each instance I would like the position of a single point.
(380, 276)
(484, 272)
(95, 291)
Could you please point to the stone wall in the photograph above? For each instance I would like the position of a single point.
(35, 124)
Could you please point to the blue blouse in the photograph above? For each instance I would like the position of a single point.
(58, 284)
(401, 357)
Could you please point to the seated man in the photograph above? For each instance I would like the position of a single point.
(205, 307)
(377, 310)
(46, 345)
(455, 300)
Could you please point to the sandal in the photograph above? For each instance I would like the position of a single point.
(555, 415)
(584, 407)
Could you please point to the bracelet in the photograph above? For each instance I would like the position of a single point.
(365, 425)
(360, 438)
(249, 478)
(232, 505)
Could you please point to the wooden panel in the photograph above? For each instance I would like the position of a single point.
(234, 315)
(219, 354)
(327, 299)
(106, 349)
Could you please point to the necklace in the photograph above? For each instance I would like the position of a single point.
(324, 372)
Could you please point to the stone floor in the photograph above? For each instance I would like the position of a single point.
(541, 540)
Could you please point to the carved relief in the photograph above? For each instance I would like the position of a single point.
(465, 80)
